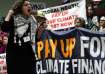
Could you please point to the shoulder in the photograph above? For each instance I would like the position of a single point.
(18, 17)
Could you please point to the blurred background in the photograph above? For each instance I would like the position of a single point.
(98, 5)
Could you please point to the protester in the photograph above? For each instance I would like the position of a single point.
(102, 24)
(3, 41)
(41, 20)
(92, 20)
(20, 56)
(79, 22)
(1, 44)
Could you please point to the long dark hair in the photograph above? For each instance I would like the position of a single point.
(17, 6)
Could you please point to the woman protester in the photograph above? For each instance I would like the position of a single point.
(102, 24)
(19, 54)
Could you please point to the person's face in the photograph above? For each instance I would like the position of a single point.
(90, 11)
(77, 23)
(0, 39)
(102, 22)
(5, 40)
(26, 8)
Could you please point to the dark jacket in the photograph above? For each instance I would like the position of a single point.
(16, 53)
(8, 26)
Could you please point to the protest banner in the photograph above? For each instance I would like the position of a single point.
(79, 51)
(3, 66)
(63, 16)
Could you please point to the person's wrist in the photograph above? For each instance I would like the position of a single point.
(10, 13)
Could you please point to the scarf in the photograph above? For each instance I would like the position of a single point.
(21, 25)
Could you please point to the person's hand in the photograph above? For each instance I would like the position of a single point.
(15, 5)
(11, 11)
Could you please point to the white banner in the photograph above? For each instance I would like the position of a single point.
(96, 0)
(63, 16)
(3, 66)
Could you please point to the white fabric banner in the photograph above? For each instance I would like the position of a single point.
(96, 0)
(3, 66)
(63, 16)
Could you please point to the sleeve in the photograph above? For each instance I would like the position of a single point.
(7, 25)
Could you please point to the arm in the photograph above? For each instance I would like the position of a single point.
(8, 22)
(9, 15)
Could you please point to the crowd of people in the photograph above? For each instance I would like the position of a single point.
(93, 22)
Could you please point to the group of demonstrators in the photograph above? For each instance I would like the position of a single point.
(94, 23)
(21, 24)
